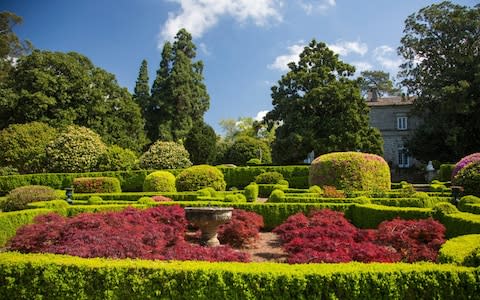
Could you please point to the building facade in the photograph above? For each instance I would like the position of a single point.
(393, 117)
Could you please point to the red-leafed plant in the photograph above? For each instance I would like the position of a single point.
(326, 236)
(155, 233)
(161, 198)
(242, 230)
(415, 239)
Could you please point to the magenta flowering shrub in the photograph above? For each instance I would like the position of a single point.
(464, 162)
(155, 233)
(326, 236)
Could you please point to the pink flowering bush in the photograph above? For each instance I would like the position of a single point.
(465, 162)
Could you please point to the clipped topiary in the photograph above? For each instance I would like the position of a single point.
(145, 200)
(77, 149)
(444, 208)
(315, 189)
(245, 148)
(269, 178)
(165, 155)
(96, 185)
(208, 192)
(277, 196)
(469, 179)
(350, 170)
(19, 198)
(254, 162)
(251, 192)
(159, 181)
(467, 160)
(466, 200)
(198, 177)
(94, 200)
(235, 198)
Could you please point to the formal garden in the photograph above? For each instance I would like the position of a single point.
(345, 229)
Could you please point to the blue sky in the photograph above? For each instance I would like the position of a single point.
(244, 44)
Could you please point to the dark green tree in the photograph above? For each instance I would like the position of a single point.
(319, 108)
(441, 48)
(379, 81)
(141, 93)
(201, 144)
(11, 47)
(179, 96)
(245, 148)
(61, 89)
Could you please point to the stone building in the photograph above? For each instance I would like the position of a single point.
(392, 116)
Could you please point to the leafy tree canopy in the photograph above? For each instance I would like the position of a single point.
(379, 81)
(441, 48)
(179, 96)
(319, 108)
(201, 144)
(66, 88)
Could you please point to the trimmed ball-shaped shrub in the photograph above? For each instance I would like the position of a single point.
(351, 171)
(145, 200)
(77, 149)
(235, 198)
(269, 177)
(277, 196)
(474, 157)
(159, 181)
(251, 192)
(469, 179)
(165, 155)
(315, 189)
(208, 192)
(444, 208)
(19, 198)
(465, 200)
(23, 146)
(94, 200)
(199, 177)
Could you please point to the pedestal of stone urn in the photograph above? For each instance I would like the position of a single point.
(208, 219)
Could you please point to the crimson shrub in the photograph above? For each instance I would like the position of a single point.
(242, 230)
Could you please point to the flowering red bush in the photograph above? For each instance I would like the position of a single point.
(155, 233)
(242, 230)
(161, 198)
(328, 237)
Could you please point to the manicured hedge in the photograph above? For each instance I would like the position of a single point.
(78, 209)
(11, 221)
(370, 215)
(471, 208)
(96, 185)
(461, 250)
(178, 196)
(297, 176)
(460, 224)
(36, 276)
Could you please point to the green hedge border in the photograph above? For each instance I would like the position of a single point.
(35, 276)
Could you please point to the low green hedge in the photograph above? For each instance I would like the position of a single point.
(297, 176)
(37, 276)
(131, 196)
(427, 202)
(462, 250)
(471, 208)
(460, 224)
(11, 221)
(96, 185)
(370, 215)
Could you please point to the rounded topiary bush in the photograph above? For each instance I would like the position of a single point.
(199, 177)
(94, 200)
(146, 200)
(165, 155)
(469, 178)
(269, 177)
(19, 198)
(245, 148)
(77, 149)
(351, 170)
(159, 181)
(474, 157)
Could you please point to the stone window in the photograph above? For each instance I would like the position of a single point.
(403, 158)
(402, 123)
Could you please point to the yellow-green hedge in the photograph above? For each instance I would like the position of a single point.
(11, 221)
(461, 250)
(370, 215)
(37, 276)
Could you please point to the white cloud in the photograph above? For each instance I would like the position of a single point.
(204, 49)
(281, 62)
(361, 66)
(316, 6)
(345, 47)
(260, 115)
(197, 16)
(386, 56)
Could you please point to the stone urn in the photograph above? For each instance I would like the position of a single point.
(208, 219)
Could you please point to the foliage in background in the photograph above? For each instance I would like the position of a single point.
(378, 81)
(141, 93)
(165, 155)
(245, 148)
(18, 198)
(320, 109)
(96, 185)
(118, 159)
(201, 143)
(77, 149)
(469, 179)
(440, 49)
(23, 146)
(198, 177)
(179, 97)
